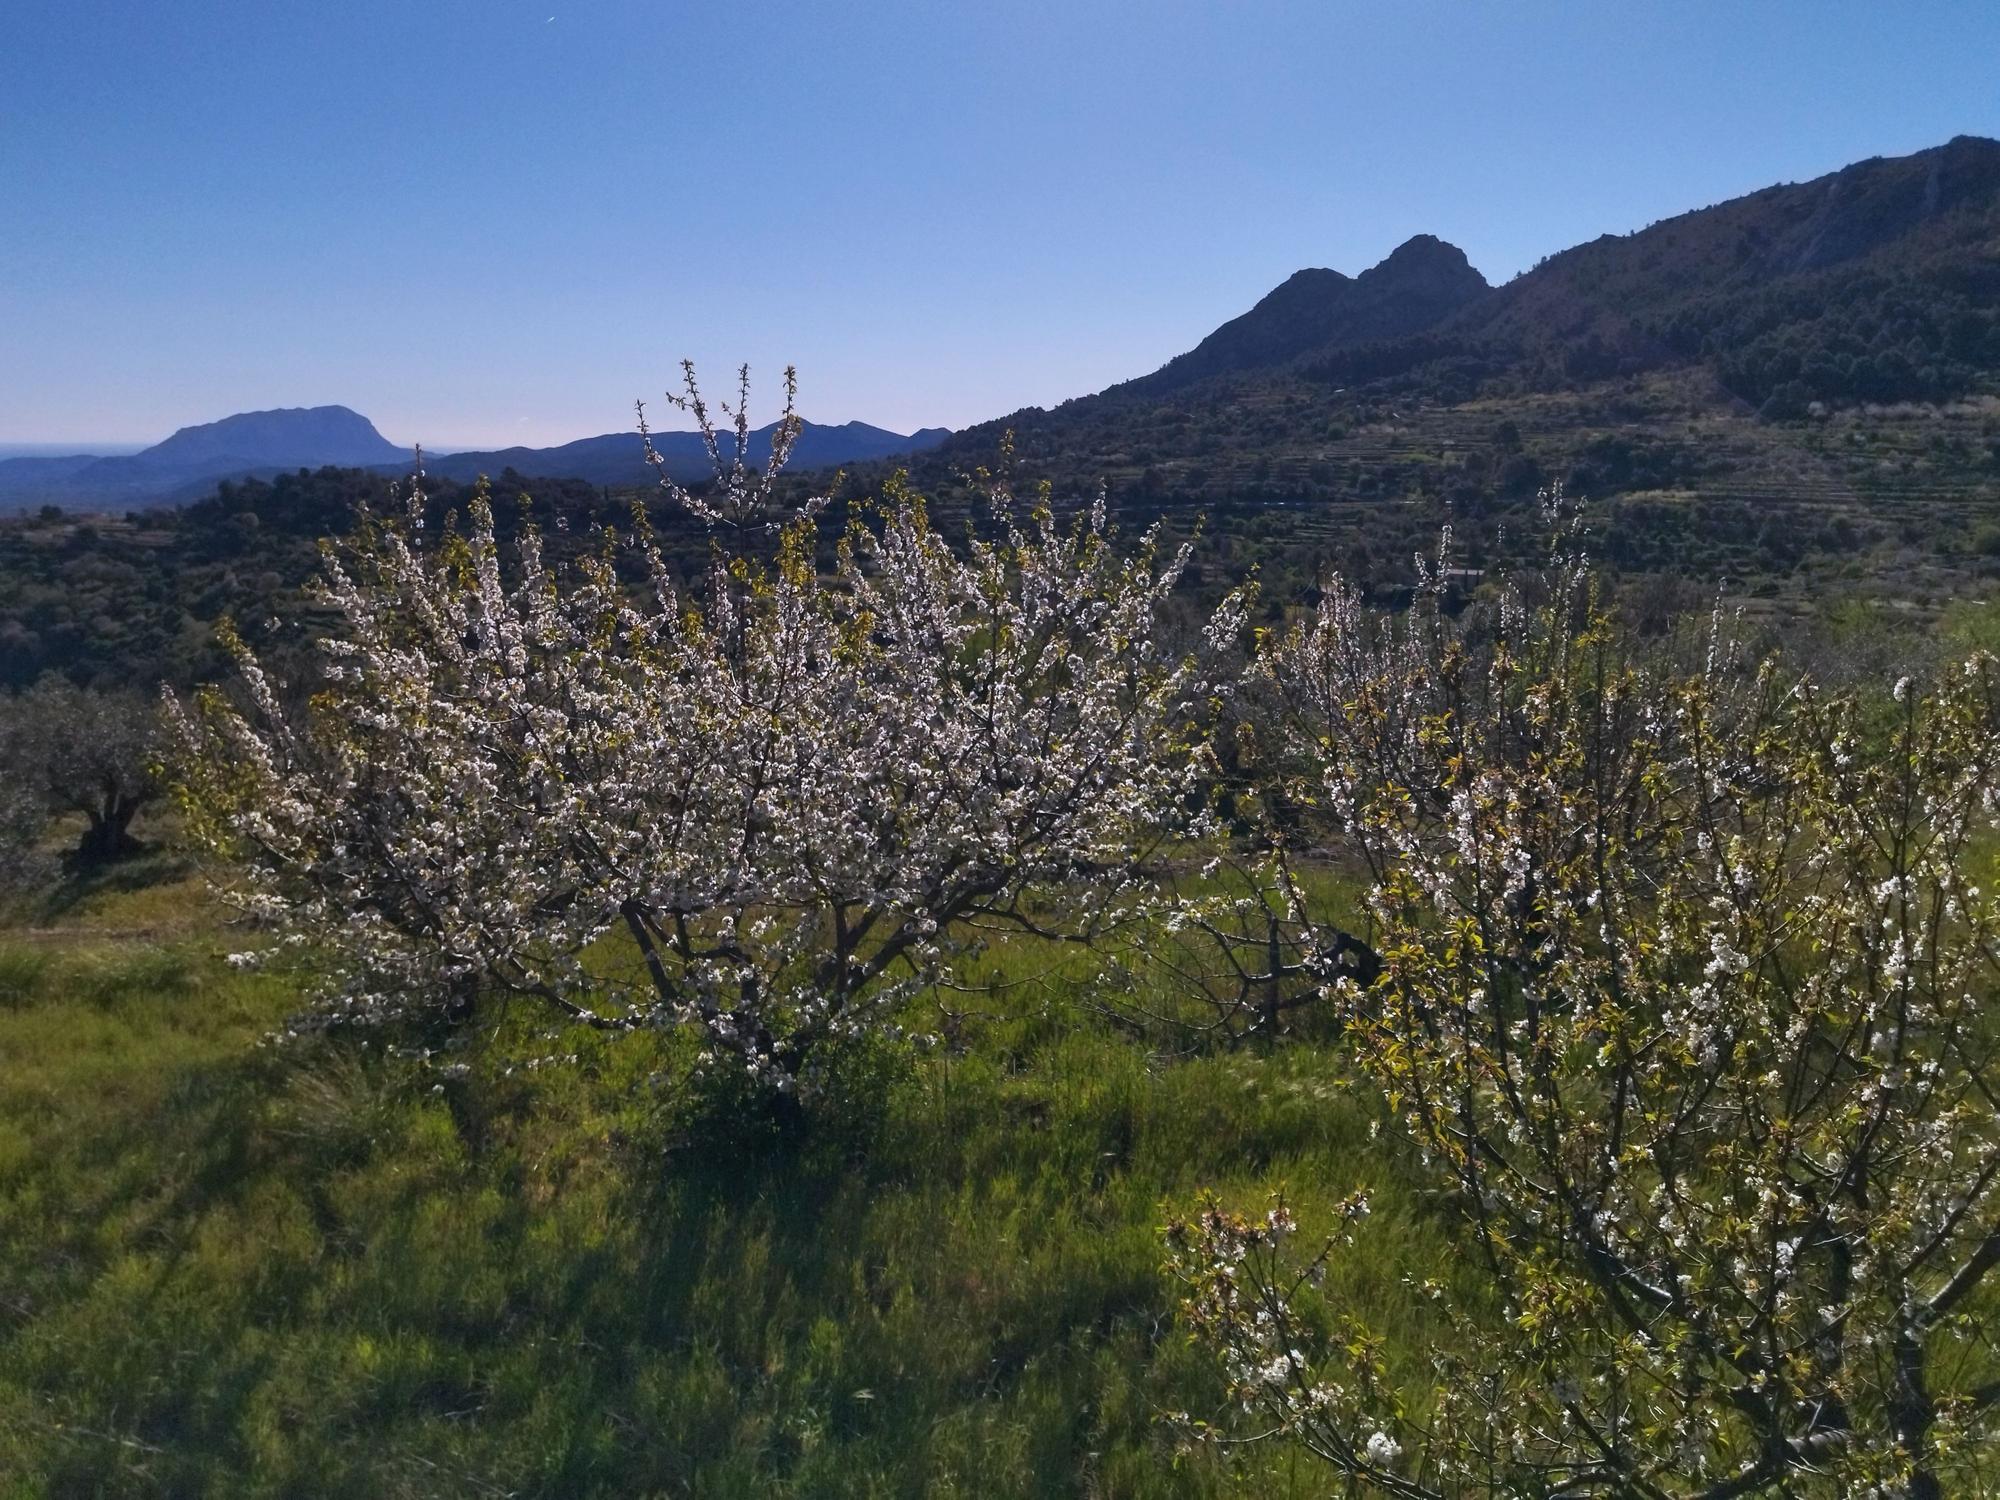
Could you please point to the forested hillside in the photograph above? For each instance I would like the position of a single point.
(1878, 282)
(1790, 397)
(1718, 343)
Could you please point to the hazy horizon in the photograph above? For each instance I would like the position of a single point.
(989, 208)
(97, 447)
(114, 448)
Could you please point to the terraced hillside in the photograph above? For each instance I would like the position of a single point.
(1786, 391)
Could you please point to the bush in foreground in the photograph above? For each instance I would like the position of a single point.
(1678, 987)
(791, 797)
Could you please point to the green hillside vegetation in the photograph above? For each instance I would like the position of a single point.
(228, 1268)
(1790, 393)
(508, 1256)
(1892, 508)
(1792, 397)
(135, 599)
(791, 1242)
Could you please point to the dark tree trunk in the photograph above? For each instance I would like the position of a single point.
(1914, 1413)
(109, 836)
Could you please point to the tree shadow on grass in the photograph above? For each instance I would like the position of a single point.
(79, 882)
(737, 1295)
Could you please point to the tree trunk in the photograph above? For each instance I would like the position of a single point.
(109, 836)
(1913, 1413)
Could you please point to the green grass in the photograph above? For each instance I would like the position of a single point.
(228, 1268)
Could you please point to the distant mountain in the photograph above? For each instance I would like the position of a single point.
(261, 444)
(304, 437)
(1317, 311)
(1876, 283)
(618, 458)
(1879, 282)
(194, 458)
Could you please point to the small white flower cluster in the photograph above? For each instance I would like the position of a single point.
(1241, 1297)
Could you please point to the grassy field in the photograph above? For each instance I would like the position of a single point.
(229, 1267)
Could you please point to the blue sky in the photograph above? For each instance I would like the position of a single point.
(488, 221)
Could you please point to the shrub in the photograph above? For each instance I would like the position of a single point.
(1678, 984)
(790, 796)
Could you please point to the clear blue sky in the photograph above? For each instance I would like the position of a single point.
(486, 221)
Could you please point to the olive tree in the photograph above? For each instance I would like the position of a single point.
(66, 750)
(1678, 982)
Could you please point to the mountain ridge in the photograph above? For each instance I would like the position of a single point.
(309, 436)
(1876, 282)
(248, 445)
(618, 458)
(1423, 280)
(1879, 281)
(1628, 288)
